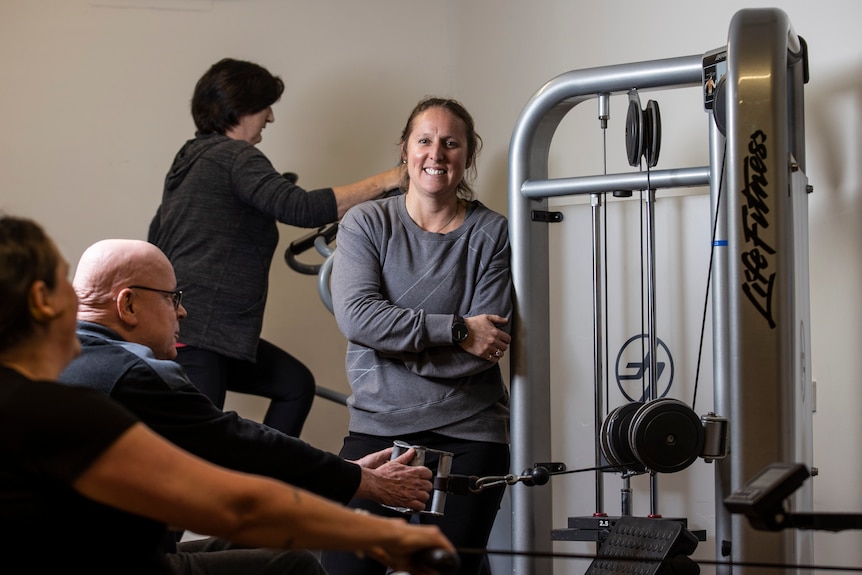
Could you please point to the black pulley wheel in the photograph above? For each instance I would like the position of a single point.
(666, 435)
(615, 439)
(634, 131)
(653, 134)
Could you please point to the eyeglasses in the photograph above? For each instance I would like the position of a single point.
(176, 296)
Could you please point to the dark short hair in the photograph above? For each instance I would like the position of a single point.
(27, 255)
(229, 90)
(474, 141)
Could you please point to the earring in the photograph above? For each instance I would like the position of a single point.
(403, 161)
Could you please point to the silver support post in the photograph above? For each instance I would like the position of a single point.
(763, 245)
(598, 331)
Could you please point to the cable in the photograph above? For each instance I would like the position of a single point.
(709, 275)
(652, 386)
(643, 328)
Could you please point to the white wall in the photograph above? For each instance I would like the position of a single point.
(95, 98)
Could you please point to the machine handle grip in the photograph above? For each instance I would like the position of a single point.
(443, 561)
(320, 238)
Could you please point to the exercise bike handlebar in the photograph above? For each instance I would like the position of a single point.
(318, 239)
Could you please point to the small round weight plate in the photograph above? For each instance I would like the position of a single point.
(666, 435)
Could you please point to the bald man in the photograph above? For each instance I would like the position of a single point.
(129, 317)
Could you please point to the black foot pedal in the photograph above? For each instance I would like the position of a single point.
(645, 546)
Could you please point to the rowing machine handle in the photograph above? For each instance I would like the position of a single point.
(443, 561)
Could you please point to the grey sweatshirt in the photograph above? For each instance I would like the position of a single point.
(395, 290)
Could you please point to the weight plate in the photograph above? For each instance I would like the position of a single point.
(604, 440)
(615, 438)
(666, 435)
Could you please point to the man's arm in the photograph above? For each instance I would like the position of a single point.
(188, 418)
(160, 394)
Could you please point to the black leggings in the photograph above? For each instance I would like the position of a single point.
(276, 374)
(467, 519)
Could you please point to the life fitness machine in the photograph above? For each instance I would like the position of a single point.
(753, 98)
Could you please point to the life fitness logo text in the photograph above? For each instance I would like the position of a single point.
(633, 364)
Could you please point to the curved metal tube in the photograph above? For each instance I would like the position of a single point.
(529, 188)
(323, 286)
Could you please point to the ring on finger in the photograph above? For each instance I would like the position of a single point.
(498, 353)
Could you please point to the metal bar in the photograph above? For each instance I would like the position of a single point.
(627, 181)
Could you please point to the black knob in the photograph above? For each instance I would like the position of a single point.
(540, 475)
(442, 561)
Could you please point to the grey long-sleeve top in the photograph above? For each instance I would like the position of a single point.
(395, 290)
(217, 225)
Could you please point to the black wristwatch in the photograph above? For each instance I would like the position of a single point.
(459, 329)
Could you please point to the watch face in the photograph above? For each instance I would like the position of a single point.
(459, 331)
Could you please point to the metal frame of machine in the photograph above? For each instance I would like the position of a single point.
(759, 284)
